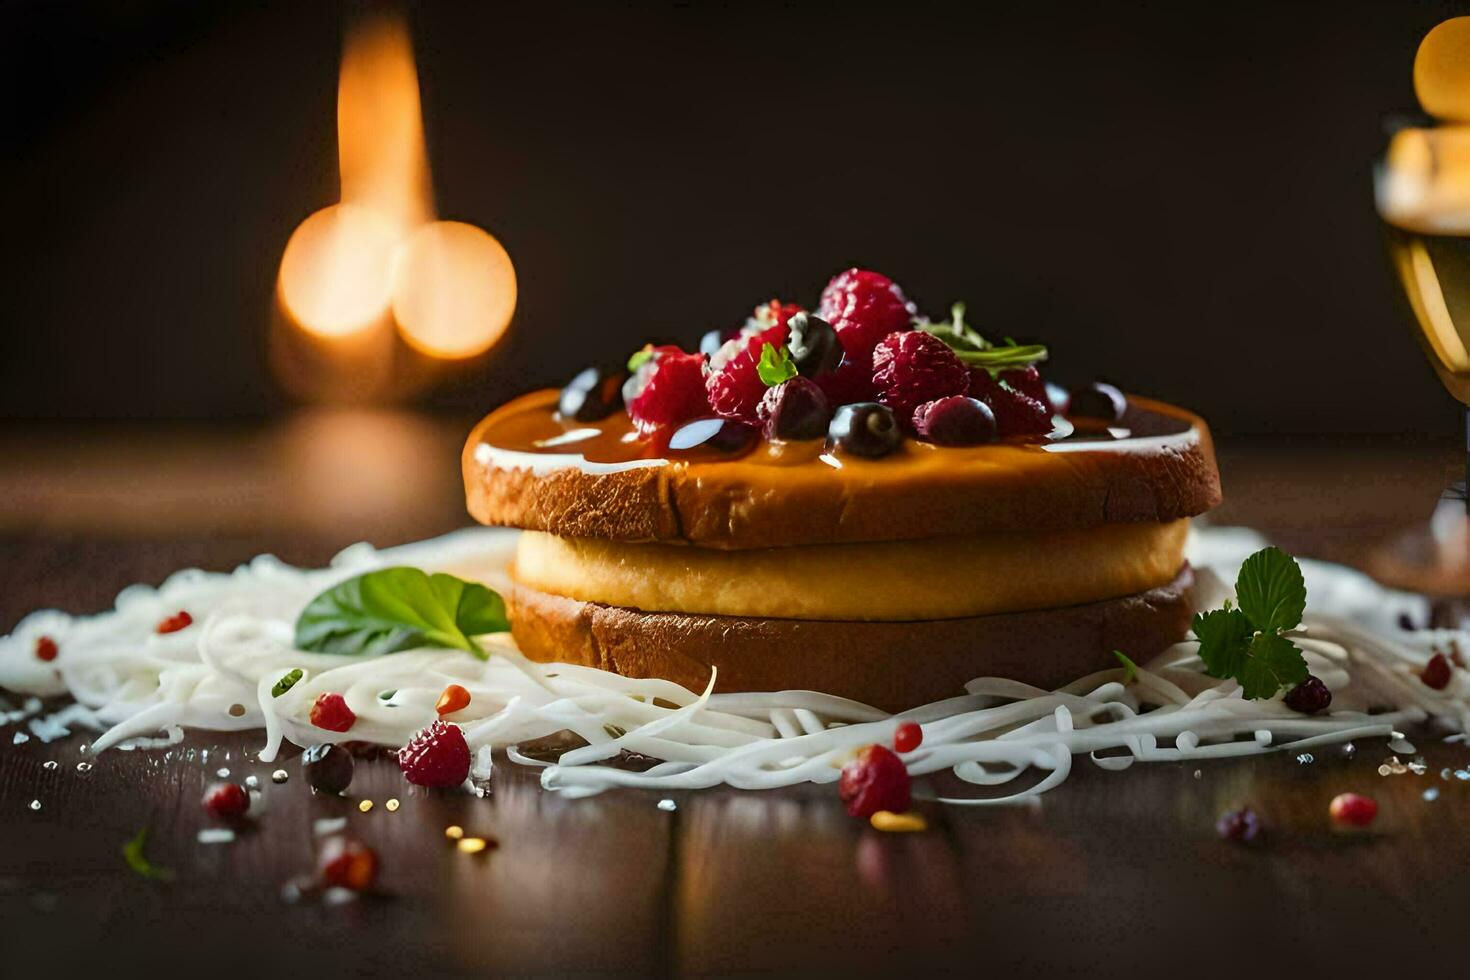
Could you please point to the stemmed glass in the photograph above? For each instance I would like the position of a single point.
(1422, 190)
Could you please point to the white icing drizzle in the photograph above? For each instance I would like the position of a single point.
(138, 683)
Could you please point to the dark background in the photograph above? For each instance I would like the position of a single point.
(1177, 196)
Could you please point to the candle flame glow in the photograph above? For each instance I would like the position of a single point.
(449, 288)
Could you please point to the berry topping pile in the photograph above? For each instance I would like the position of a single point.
(864, 371)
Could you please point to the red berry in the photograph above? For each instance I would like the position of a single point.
(1352, 810)
(1242, 826)
(1309, 697)
(1027, 380)
(907, 737)
(46, 648)
(733, 385)
(226, 801)
(346, 863)
(775, 313)
(863, 307)
(1016, 413)
(176, 622)
(1437, 672)
(875, 780)
(913, 367)
(667, 389)
(436, 756)
(330, 711)
(958, 420)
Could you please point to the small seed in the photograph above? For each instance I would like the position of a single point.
(392, 805)
(454, 832)
(365, 805)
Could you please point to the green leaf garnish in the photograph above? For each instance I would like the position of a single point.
(639, 358)
(1271, 663)
(1246, 642)
(1224, 636)
(976, 351)
(775, 366)
(287, 681)
(1271, 590)
(394, 609)
(1130, 669)
(132, 853)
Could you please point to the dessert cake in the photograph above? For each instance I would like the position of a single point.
(853, 500)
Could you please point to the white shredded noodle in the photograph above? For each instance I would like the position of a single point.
(141, 689)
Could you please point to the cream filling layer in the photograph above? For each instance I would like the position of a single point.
(938, 578)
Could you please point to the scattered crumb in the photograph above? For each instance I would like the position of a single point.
(365, 805)
(454, 832)
(392, 805)
(898, 823)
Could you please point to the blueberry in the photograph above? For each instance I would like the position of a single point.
(795, 409)
(593, 395)
(955, 421)
(1309, 697)
(726, 435)
(328, 768)
(813, 344)
(1098, 400)
(864, 429)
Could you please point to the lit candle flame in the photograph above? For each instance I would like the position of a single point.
(379, 256)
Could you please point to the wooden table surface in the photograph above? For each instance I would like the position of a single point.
(1112, 873)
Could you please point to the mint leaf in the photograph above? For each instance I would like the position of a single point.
(1272, 662)
(1130, 669)
(1271, 590)
(133, 856)
(976, 351)
(287, 681)
(775, 366)
(394, 609)
(639, 358)
(1224, 641)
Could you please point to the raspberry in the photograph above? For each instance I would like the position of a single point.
(773, 314)
(1309, 697)
(227, 801)
(958, 420)
(863, 307)
(46, 648)
(346, 863)
(907, 737)
(1436, 673)
(913, 367)
(172, 624)
(436, 756)
(1027, 381)
(1352, 810)
(330, 712)
(735, 389)
(875, 780)
(668, 388)
(1016, 413)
